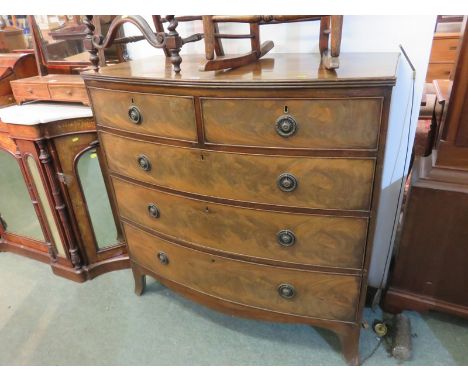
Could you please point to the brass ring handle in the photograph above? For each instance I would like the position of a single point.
(286, 238)
(134, 115)
(153, 211)
(286, 291)
(286, 126)
(163, 259)
(287, 182)
(144, 162)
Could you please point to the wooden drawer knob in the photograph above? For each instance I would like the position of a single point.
(286, 238)
(286, 182)
(286, 291)
(144, 162)
(134, 115)
(153, 211)
(286, 126)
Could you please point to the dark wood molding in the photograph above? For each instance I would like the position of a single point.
(397, 300)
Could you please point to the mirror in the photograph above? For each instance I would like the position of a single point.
(97, 200)
(62, 37)
(59, 41)
(16, 209)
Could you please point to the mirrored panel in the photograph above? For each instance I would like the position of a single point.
(62, 37)
(46, 207)
(16, 208)
(97, 199)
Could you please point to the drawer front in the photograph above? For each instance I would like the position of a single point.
(292, 238)
(314, 294)
(157, 115)
(444, 50)
(281, 180)
(26, 91)
(438, 71)
(312, 123)
(68, 93)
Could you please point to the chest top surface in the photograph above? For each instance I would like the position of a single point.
(292, 70)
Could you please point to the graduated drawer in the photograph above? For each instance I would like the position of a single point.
(328, 183)
(297, 292)
(152, 114)
(68, 93)
(287, 237)
(319, 123)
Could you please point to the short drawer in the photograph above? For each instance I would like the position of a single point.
(438, 71)
(444, 50)
(287, 237)
(295, 181)
(304, 293)
(144, 113)
(30, 91)
(68, 93)
(293, 123)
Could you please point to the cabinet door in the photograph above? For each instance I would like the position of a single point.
(89, 197)
(17, 212)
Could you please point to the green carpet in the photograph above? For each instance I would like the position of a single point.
(47, 320)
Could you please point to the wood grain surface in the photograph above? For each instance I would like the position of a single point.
(323, 295)
(322, 123)
(320, 240)
(322, 182)
(161, 115)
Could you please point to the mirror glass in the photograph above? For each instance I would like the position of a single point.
(16, 208)
(97, 200)
(62, 37)
(46, 207)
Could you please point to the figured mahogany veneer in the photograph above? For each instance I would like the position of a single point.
(161, 115)
(335, 183)
(321, 123)
(321, 240)
(252, 191)
(319, 295)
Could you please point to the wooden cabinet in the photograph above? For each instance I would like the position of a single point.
(252, 191)
(432, 259)
(68, 220)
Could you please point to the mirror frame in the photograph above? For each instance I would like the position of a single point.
(44, 65)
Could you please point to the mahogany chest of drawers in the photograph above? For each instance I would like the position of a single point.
(253, 191)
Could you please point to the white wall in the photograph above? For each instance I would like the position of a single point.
(360, 34)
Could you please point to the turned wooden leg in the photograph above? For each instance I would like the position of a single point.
(349, 338)
(140, 280)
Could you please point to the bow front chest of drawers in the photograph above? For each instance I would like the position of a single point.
(252, 191)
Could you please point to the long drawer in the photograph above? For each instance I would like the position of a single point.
(287, 237)
(296, 292)
(293, 123)
(164, 116)
(294, 181)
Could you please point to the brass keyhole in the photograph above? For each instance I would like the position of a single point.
(286, 110)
